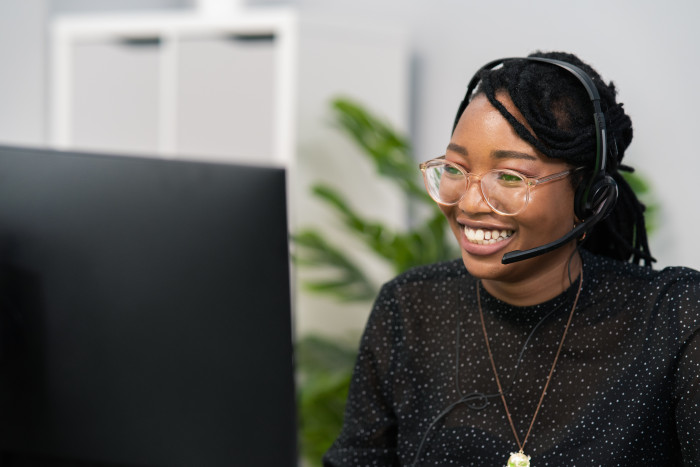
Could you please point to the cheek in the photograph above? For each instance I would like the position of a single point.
(449, 212)
(551, 208)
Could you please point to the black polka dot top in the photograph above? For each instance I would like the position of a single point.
(625, 391)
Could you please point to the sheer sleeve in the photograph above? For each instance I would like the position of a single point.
(688, 401)
(684, 298)
(369, 431)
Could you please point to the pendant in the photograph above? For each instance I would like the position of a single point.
(518, 459)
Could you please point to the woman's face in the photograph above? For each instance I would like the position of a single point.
(483, 140)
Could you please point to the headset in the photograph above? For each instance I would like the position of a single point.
(593, 200)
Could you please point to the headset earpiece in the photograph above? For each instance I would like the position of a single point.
(601, 198)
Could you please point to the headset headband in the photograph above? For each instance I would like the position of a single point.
(582, 76)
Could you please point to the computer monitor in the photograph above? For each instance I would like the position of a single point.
(145, 314)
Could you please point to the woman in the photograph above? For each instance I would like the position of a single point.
(571, 353)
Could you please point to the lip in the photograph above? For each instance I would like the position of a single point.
(483, 250)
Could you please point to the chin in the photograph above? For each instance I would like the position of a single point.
(486, 267)
(484, 261)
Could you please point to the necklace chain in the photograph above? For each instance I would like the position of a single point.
(551, 371)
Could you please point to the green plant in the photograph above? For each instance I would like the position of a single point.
(324, 379)
(325, 366)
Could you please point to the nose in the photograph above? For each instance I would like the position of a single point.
(473, 199)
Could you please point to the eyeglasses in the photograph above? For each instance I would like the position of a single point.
(506, 191)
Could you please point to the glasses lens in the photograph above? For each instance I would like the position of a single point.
(446, 184)
(505, 191)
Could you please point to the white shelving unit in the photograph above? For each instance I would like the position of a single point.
(224, 85)
(177, 85)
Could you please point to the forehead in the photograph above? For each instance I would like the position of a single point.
(482, 126)
(481, 106)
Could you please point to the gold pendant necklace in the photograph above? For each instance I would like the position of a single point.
(519, 459)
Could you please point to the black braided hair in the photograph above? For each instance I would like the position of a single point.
(558, 109)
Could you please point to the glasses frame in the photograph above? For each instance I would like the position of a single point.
(531, 182)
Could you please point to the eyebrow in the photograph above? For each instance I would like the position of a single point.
(457, 148)
(501, 154)
(498, 154)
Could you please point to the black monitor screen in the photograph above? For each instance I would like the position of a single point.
(144, 312)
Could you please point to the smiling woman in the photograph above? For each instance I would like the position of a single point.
(547, 342)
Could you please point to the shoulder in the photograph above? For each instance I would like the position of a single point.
(615, 273)
(421, 288)
(670, 294)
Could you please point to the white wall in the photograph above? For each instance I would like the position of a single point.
(22, 68)
(648, 48)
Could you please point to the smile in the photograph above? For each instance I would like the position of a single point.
(486, 237)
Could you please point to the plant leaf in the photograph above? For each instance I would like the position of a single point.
(425, 244)
(343, 279)
(389, 151)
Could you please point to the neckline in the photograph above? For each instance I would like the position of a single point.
(531, 314)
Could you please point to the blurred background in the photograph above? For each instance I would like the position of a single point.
(258, 81)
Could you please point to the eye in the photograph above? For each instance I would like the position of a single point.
(452, 170)
(509, 178)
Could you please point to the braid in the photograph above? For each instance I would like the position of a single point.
(558, 109)
(625, 223)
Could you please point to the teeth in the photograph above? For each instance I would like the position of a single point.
(486, 237)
